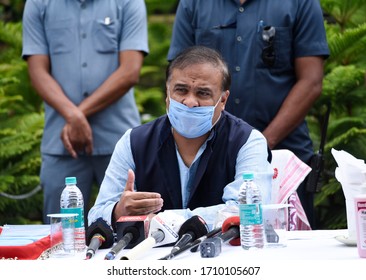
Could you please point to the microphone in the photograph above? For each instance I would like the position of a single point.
(192, 245)
(211, 247)
(130, 231)
(99, 235)
(191, 229)
(160, 233)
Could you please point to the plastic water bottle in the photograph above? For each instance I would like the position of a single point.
(250, 212)
(72, 202)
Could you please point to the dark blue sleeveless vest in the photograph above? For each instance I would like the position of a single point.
(153, 150)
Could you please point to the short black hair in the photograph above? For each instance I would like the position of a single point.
(201, 55)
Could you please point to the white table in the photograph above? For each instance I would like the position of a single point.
(302, 245)
(309, 255)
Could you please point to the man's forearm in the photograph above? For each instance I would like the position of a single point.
(305, 92)
(48, 88)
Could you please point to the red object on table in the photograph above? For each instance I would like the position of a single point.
(38, 249)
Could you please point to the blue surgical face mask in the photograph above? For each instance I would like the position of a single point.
(190, 122)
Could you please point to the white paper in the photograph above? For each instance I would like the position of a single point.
(351, 174)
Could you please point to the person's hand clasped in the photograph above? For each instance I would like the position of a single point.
(77, 136)
(134, 203)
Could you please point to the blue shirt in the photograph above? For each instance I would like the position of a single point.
(83, 40)
(235, 30)
(252, 156)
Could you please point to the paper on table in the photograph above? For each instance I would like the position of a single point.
(351, 173)
(352, 170)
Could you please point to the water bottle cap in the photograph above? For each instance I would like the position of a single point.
(70, 180)
(248, 176)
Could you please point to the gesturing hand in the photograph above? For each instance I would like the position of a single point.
(134, 203)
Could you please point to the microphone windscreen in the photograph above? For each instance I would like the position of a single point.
(137, 225)
(232, 223)
(103, 228)
(195, 226)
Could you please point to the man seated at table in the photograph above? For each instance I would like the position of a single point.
(190, 159)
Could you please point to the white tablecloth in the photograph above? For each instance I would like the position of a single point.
(301, 245)
(308, 255)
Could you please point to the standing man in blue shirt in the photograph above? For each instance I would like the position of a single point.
(190, 160)
(275, 51)
(84, 57)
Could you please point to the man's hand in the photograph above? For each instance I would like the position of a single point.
(134, 203)
(77, 135)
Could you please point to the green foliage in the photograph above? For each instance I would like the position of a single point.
(346, 47)
(150, 92)
(11, 10)
(21, 128)
(346, 13)
(344, 88)
(11, 34)
(161, 7)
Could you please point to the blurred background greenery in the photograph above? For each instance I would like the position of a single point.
(21, 109)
